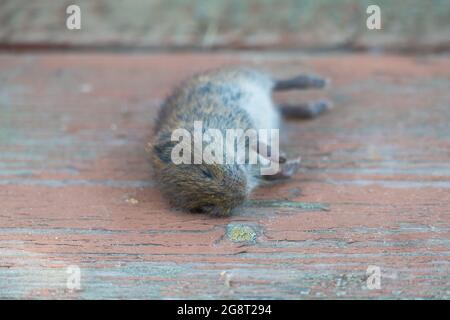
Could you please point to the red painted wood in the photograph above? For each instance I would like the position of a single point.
(76, 187)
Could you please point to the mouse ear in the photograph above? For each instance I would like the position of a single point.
(163, 150)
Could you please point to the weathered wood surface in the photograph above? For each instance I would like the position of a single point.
(302, 24)
(76, 187)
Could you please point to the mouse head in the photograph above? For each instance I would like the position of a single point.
(215, 189)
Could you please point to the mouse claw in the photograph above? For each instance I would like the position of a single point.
(291, 167)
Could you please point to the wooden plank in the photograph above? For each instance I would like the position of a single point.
(76, 187)
(287, 24)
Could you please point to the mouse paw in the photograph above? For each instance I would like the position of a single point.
(287, 169)
(290, 167)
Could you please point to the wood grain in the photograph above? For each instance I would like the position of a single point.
(76, 186)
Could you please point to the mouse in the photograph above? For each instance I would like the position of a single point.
(238, 98)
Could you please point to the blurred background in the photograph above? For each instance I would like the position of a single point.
(407, 26)
(77, 108)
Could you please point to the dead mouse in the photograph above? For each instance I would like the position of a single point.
(223, 99)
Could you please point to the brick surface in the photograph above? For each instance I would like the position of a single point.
(76, 186)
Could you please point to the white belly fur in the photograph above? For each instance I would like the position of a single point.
(259, 106)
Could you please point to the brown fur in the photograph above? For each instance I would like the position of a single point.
(214, 98)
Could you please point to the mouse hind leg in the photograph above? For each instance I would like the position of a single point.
(300, 82)
(307, 110)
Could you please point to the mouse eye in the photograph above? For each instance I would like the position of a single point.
(204, 208)
(207, 208)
